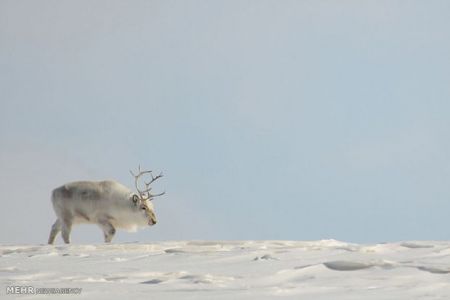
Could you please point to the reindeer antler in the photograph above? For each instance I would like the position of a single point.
(145, 194)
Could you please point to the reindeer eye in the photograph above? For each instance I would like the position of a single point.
(143, 208)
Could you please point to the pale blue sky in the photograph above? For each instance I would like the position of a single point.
(271, 119)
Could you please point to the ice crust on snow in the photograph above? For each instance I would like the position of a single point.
(326, 269)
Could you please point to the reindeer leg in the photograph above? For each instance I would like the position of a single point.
(56, 228)
(108, 230)
(66, 228)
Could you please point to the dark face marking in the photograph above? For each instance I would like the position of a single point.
(149, 214)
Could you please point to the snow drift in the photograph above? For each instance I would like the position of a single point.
(325, 269)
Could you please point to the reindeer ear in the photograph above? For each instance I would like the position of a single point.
(135, 199)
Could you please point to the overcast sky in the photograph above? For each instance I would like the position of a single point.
(296, 120)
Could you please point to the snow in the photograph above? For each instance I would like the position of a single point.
(326, 269)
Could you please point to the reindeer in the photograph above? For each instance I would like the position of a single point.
(108, 204)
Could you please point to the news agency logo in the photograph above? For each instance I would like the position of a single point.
(31, 290)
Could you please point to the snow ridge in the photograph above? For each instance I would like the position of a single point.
(326, 269)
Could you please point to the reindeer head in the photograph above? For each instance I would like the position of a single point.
(143, 198)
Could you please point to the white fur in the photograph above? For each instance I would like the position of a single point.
(106, 203)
